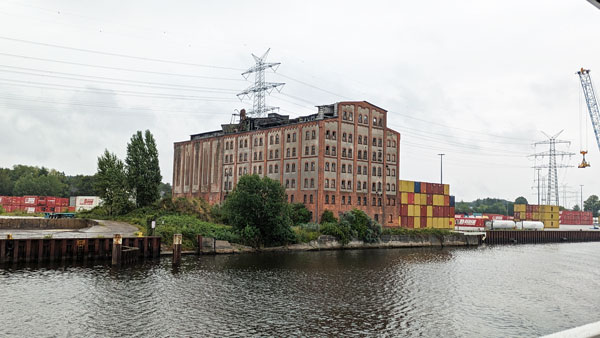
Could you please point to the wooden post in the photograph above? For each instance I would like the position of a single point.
(199, 244)
(116, 249)
(177, 238)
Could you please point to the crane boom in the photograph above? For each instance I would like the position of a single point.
(590, 99)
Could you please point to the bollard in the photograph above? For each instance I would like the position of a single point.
(116, 250)
(176, 249)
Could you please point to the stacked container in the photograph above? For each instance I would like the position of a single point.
(426, 205)
(576, 217)
(34, 204)
(547, 214)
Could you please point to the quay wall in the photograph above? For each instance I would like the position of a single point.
(45, 223)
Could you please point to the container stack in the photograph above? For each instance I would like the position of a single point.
(34, 204)
(426, 205)
(576, 217)
(547, 214)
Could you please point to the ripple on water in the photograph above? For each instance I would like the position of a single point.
(493, 291)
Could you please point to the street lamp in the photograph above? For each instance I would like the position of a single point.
(441, 168)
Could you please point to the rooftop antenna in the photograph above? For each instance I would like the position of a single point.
(260, 87)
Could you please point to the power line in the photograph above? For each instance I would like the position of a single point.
(120, 68)
(117, 54)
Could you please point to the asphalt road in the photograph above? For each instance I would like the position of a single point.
(103, 229)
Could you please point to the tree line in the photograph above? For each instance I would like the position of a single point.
(505, 207)
(21, 180)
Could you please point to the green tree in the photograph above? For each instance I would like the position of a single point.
(462, 208)
(165, 190)
(257, 208)
(81, 185)
(328, 217)
(521, 200)
(6, 183)
(299, 213)
(143, 170)
(576, 207)
(111, 183)
(592, 204)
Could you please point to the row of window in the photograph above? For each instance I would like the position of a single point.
(311, 166)
(349, 116)
(347, 200)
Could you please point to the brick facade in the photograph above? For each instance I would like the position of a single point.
(342, 158)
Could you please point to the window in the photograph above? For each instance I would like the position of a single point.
(276, 139)
(379, 171)
(260, 142)
(260, 169)
(333, 136)
(379, 142)
(326, 199)
(333, 183)
(378, 186)
(327, 136)
(326, 150)
(326, 183)
(293, 152)
(227, 146)
(288, 152)
(333, 167)
(359, 118)
(358, 185)
(312, 166)
(350, 138)
(365, 155)
(350, 153)
(326, 166)
(343, 186)
(245, 143)
(343, 152)
(306, 166)
(241, 143)
(306, 182)
(294, 137)
(293, 167)
(359, 139)
(255, 156)
(374, 121)
(240, 172)
(312, 182)
(255, 142)
(393, 172)
(245, 171)
(380, 157)
(276, 168)
(292, 196)
(276, 153)
(345, 116)
(350, 116)
(374, 172)
(332, 199)
(393, 187)
(343, 199)
(365, 140)
(343, 168)
(304, 198)
(376, 217)
(374, 187)
(311, 199)
(246, 157)
(388, 172)
(312, 150)
(365, 188)
(350, 168)
(388, 157)
(349, 185)
(289, 138)
(287, 184)
(333, 151)
(374, 141)
(270, 154)
(344, 137)
(388, 187)
(379, 201)
(271, 139)
(374, 157)
(260, 155)
(306, 150)
(358, 201)
(381, 122)
(349, 200)
(314, 135)
(374, 202)
(287, 167)
(388, 143)
(365, 200)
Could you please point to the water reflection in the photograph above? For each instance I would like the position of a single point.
(494, 291)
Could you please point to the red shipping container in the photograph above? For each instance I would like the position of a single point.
(3, 200)
(447, 200)
(50, 201)
(423, 222)
(64, 202)
(411, 198)
(71, 209)
(403, 210)
(452, 211)
(424, 212)
(404, 222)
(470, 222)
(411, 222)
(429, 199)
(30, 200)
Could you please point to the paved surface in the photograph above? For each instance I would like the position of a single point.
(104, 229)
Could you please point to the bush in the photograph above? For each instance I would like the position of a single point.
(361, 226)
(190, 227)
(299, 214)
(187, 206)
(327, 217)
(306, 232)
(338, 231)
(2, 210)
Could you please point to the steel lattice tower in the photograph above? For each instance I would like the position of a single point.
(552, 178)
(261, 87)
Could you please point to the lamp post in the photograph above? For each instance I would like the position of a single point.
(441, 168)
(581, 196)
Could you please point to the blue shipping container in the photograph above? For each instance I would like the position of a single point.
(452, 201)
(418, 187)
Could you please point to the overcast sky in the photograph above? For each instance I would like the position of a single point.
(476, 80)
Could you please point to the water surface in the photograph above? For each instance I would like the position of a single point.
(501, 291)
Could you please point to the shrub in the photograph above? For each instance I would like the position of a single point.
(361, 225)
(327, 217)
(190, 227)
(342, 233)
(306, 232)
(2, 210)
(299, 214)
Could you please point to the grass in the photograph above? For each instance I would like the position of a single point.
(190, 227)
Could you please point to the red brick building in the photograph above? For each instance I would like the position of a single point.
(341, 158)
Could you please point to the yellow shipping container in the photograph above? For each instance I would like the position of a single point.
(436, 222)
(551, 224)
(520, 208)
(536, 216)
(404, 198)
(417, 222)
(545, 208)
(452, 222)
(408, 186)
(438, 200)
(419, 199)
(411, 211)
(429, 222)
(429, 211)
(446, 189)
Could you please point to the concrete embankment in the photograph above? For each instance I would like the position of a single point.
(31, 223)
(211, 246)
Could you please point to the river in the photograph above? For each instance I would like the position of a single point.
(500, 291)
